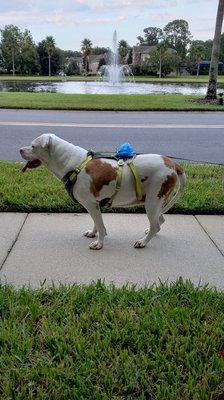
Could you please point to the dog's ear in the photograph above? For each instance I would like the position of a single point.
(44, 140)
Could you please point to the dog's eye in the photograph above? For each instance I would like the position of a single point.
(32, 146)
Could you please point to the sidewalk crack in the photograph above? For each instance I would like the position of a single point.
(220, 251)
(13, 243)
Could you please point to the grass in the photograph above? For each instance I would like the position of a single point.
(98, 342)
(39, 190)
(60, 101)
(146, 78)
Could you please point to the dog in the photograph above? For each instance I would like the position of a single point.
(97, 181)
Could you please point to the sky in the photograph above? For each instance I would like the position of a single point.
(70, 21)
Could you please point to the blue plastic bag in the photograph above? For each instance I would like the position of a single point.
(125, 151)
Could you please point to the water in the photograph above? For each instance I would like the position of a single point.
(105, 88)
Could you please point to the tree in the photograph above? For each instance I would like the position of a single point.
(99, 50)
(72, 68)
(86, 47)
(161, 49)
(56, 59)
(28, 59)
(130, 56)
(221, 52)
(208, 49)
(213, 71)
(11, 46)
(178, 36)
(162, 60)
(49, 46)
(152, 36)
(197, 53)
(101, 63)
(123, 49)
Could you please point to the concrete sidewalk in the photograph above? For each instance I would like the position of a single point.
(37, 248)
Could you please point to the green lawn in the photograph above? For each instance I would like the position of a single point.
(97, 342)
(187, 79)
(60, 101)
(39, 190)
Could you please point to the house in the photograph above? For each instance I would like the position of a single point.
(140, 54)
(93, 60)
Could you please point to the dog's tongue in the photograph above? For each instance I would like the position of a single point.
(31, 164)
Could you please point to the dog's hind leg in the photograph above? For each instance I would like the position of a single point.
(161, 221)
(91, 233)
(94, 210)
(153, 210)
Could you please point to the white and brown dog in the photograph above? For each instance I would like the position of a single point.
(97, 181)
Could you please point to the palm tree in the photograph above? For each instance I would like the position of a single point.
(213, 72)
(123, 49)
(49, 46)
(86, 47)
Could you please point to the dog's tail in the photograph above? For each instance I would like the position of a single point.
(182, 182)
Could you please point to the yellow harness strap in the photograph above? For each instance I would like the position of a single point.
(137, 182)
(135, 175)
(77, 170)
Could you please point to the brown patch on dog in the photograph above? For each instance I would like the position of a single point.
(172, 165)
(179, 169)
(144, 179)
(168, 185)
(102, 173)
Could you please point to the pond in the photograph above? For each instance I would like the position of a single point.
(105, 88)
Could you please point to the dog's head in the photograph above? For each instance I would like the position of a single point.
(38, 152)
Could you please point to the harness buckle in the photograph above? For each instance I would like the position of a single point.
(120, 162)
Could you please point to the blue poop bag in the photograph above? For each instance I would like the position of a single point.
(125, 151)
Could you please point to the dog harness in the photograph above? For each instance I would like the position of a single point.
(71, 177)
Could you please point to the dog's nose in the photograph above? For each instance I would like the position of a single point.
(21, 151)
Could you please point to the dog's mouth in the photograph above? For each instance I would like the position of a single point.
(31, 164)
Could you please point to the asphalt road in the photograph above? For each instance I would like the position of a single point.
(197, 136)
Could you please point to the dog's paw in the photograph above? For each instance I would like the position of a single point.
(95, 246)
(139, 244)
(89, 234)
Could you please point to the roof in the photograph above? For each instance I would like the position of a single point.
(143, 49)
(148, 49)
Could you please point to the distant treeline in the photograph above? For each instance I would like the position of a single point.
(19, 54)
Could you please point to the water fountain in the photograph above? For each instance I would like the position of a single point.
(115, 73)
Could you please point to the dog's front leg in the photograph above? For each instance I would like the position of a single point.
(94, 210)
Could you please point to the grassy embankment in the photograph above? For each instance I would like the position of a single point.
(60, 101)
(96, 342)
(38, 190)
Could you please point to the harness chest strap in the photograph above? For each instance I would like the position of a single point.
(71, 177)
(76, 171)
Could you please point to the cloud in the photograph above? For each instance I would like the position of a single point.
(28, 18)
